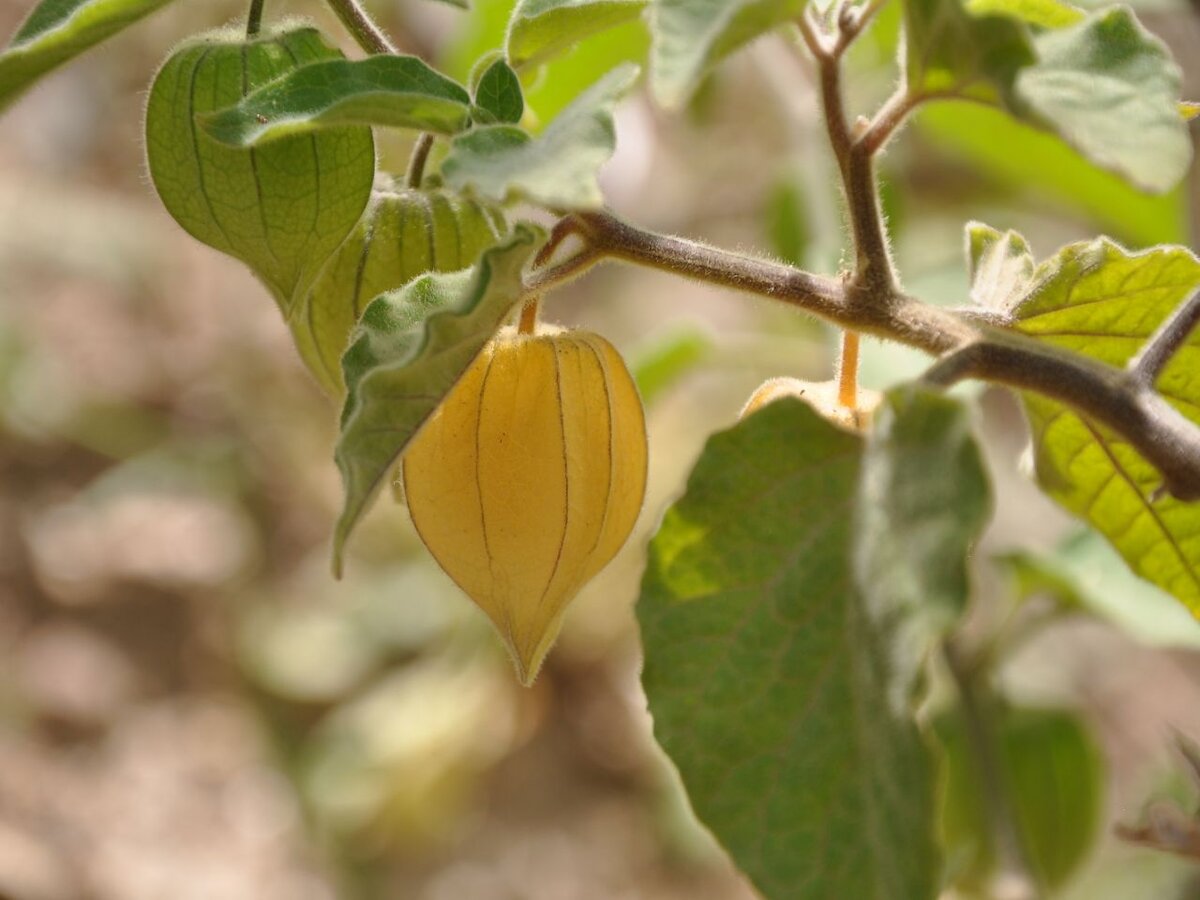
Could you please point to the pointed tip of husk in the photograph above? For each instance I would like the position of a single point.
(527, 661)
(527, 658)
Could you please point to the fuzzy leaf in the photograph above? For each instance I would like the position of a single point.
(1099, 300)
(558, 168)
(408, 351)
(58, 30)
(1102, 82)
(1001, 267)
(923, 501)
(950, 51)
(1110, 89)
(691, 36)
(781, 692)
(542, 29)
(498, 94)
(399, 91)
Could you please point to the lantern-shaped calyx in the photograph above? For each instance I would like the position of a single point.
(529, 478)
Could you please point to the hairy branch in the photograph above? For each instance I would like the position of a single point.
(360, 25)
(874, 280)
(969, 346)
(1166, 342)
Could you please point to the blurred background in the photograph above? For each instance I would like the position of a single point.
(191, 707)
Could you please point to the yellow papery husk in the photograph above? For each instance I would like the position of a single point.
(528, 479)
(821, 396)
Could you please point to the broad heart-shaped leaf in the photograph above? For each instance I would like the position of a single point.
(1111, 90)
(691, 36)
(923, 500)
(399, 91)
(773, 681)
(1096, 299)
(1102, 83)
(1001, 267)
(409, 350)
(557, 168)
(283, 209)
(1054, 777)
(498, 94)
(541, 29)
(57, 30)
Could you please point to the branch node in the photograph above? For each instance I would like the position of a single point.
(563, 229)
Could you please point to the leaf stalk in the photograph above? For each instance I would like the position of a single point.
(254, 18)
(416, 162)
(361, 26)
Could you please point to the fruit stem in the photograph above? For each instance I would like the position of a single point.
(529, 316)
(848, 371)
(416, 162)
(254, 18)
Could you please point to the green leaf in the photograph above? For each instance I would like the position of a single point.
(557, 168)
(410, 348)
(950, 51)
(1038, 169)
(57, 30)
(692, 36)
(1084, 573)
(923, 501)
(498, 94)
(397, 91)
(771, 680)
(1043, 13)
(1101, 83)
(1002, 267)
(541, 29)
(1110, 88)
(1099, 300)
(1054, 775)
(550, 87)
(284, 208)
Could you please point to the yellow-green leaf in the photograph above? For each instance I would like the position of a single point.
(1099, 300)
